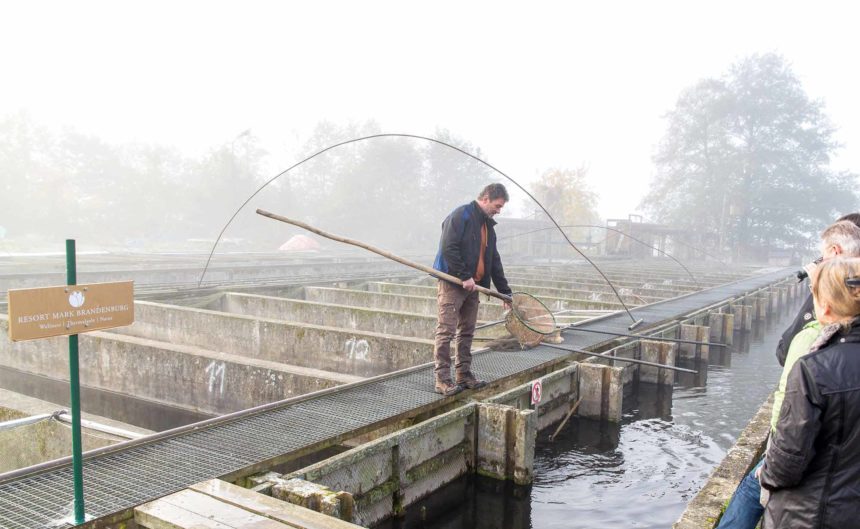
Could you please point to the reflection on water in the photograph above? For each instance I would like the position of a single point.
(471, 502)
(641, 473)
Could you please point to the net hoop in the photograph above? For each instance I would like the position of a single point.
(529, 320)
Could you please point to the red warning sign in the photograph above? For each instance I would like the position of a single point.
(537, 392)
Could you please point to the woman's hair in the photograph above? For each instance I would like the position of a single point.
(829, 287)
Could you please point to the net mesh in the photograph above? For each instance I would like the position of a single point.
(529, 320)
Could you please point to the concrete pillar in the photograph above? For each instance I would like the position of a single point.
(699, 333)
(752, 301)
(601, 389)
(781, 296)
(741, 302)
(773, 306)
(742, 316)
(522, 453)
(660, 352)
(766, 295)
(722, 327)
(757, 308)
(506, 443)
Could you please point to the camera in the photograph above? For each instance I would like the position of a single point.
(807, 269)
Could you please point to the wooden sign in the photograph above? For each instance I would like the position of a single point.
(60, 311)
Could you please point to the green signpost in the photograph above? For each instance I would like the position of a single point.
(74, 383)
(36, 313)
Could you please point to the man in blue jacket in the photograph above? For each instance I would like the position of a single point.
(467, 250)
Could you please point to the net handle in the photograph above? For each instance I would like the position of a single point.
(432, 271)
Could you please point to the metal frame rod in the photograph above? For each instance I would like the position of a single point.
(599, 313)
(24, 421)
(620, 358)
(640, 336)
(104, 428)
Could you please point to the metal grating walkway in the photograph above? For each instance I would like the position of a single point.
(121, 479)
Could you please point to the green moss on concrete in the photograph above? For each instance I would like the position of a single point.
(384, 490)
(432, 465)
(486, 473)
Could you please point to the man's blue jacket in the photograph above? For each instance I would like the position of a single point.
(461, 243)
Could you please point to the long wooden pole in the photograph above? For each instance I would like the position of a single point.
(566, 418)
(432, 271)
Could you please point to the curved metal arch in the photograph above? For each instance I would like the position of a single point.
(440, 142)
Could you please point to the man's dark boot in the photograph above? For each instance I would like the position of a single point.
(469, 381)
(447, 388)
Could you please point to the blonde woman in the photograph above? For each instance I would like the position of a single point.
(812, 466)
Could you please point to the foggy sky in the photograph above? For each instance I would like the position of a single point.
(534, 85)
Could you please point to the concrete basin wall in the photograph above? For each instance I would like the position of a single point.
(560, 390)
(348, 351)
(553, 298)
(176, 375)
(397, 302)
(673, 274)
(386, 475)
(330, 315)
(587, 295)
(49, 439)
(43, 441)
(598, 285)
(217, 272)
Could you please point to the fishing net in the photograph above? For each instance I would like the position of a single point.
(529, 321)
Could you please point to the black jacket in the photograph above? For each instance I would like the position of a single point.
(812, 467)
(461, 243)
(804, 316)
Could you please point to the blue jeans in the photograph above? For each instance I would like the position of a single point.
(744, 510)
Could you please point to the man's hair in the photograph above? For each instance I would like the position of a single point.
(828, 286)
(851, 217)
(844, 234)
(494, 191)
